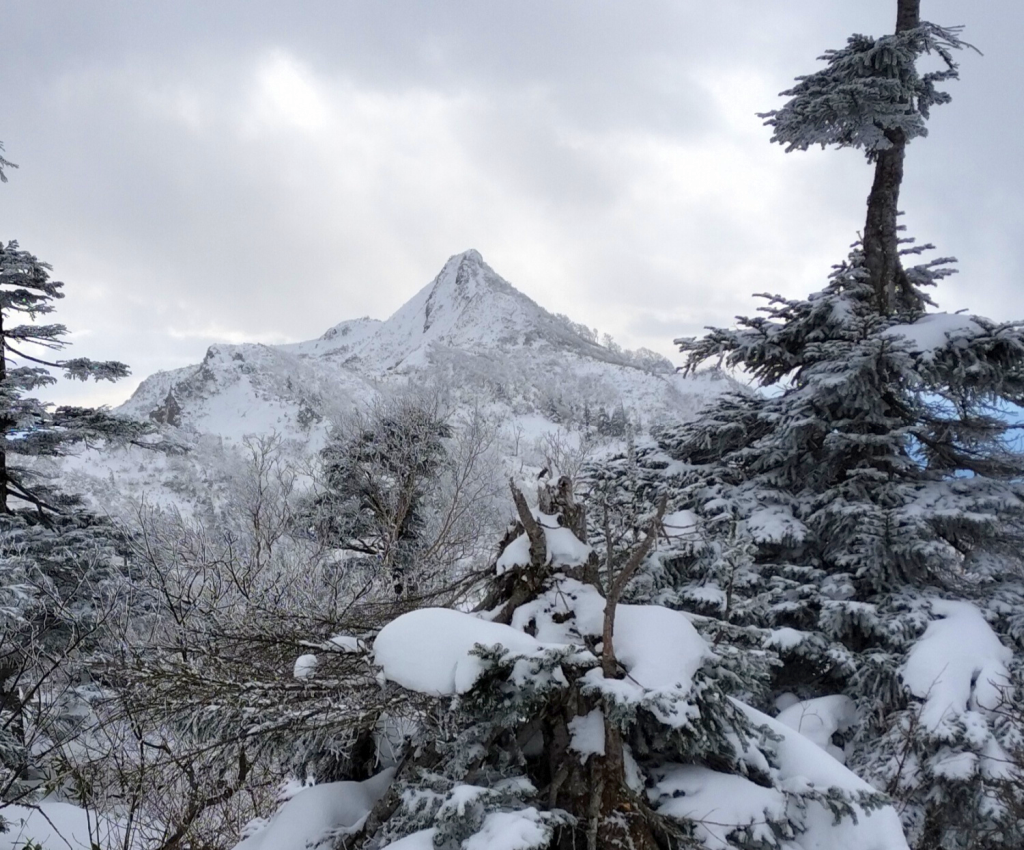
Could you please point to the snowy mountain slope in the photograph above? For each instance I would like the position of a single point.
(467, 306)
(246, 389)
(468, 325)
(484, 345)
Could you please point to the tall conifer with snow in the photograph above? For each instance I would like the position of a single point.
(863, 522)
(30, 427)
(375, 475)
(56, 560)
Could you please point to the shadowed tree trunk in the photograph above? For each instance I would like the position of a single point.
(881, 245)
(5, 426)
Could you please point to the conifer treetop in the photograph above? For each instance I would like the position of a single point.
(4, 163)
(870, 92)
(26, 289)
(871, 96)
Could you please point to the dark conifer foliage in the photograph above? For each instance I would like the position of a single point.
(30, 427)
(58, 563)
(860, 516)
(871, 96)
(4, 164)
(375, 476)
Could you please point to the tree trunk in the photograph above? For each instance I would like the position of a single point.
(610, 815)
(5, 424)
(881, 242)
(908, 14)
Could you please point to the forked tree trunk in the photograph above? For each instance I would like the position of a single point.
(881, 243)
(609, 814)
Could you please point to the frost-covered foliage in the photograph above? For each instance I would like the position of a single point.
(61, 577)
(60, 586)
(4, 163)
(853, 531)
(408, 487)
(377, 469)
(238, 662)
(28, 426)
(868, 91)
(862, 523)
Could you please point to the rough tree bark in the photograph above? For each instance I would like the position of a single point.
(5, 425)
(881, 243)
(597, 792)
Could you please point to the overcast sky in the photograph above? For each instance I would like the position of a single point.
(202, 172)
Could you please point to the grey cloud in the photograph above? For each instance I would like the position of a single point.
(603, 156)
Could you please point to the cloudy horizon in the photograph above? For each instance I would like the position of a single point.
(243, 172)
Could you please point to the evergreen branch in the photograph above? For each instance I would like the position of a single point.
(14, 489)
(29, 357)
(4, 163)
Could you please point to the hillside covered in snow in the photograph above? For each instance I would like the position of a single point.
(481, 348)
(468, 328)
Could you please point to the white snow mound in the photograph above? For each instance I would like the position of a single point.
(958, 664)
(819, 719)
(429, 651)
(311, 818)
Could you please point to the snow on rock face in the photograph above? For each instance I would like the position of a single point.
(957, 666)
(310, 818)
(468, 305)
(468, 319)
(429, 650)
(468, 331)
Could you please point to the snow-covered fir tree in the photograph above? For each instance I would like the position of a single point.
(376, 469)
(56, 560)
(30, 427)
(556, 716)
(861, 519)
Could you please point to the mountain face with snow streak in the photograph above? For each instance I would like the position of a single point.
(468, 328)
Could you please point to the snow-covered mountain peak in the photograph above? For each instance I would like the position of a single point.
(465, 277)
(468, 306)
(468, 327)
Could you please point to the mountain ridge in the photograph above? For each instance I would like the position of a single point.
(468, 325)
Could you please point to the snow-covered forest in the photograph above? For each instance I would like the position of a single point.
(478, 578)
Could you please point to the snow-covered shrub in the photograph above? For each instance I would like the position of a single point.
(555, 717)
